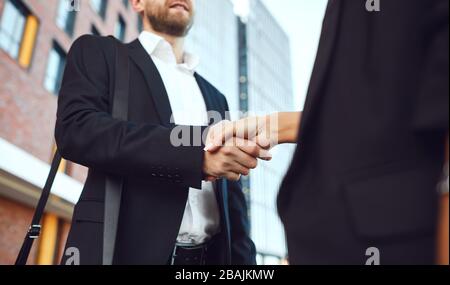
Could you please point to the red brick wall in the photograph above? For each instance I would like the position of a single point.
(14, 222)
(27, 110)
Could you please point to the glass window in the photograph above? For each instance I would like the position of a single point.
(65, 18)
(125, 3)
(18, 31)
(55, 69)
(140, 24)
(120, 29)
(100, 7)
(12, 28)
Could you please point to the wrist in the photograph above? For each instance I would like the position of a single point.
(288, 125)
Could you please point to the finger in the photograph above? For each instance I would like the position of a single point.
(232, 176)
(264, 141)
(219, 134)
(211, 178)
(239, 168)
(243, 158)
(253, 149)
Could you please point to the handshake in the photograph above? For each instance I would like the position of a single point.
(233, 148)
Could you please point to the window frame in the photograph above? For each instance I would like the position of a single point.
(60, 72)
(28, 36)
(71, 31)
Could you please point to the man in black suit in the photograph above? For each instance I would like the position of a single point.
(372, 136)
(167, 214)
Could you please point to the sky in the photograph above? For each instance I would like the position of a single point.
(302, 21)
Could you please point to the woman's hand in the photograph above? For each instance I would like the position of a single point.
(267, 131)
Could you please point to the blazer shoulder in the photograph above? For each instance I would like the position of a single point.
(93, 44)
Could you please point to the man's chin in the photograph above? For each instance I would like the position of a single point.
(182, 24)
(180, 14)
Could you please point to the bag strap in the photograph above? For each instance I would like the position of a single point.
(114, 184)
(35, 227)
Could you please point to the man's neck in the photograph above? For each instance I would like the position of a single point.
(177, 44)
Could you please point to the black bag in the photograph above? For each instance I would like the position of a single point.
(113, 185)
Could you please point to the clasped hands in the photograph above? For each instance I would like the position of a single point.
(233, 148)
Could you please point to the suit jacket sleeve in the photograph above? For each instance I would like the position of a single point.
(431, 108)
(243, 251)
(87, 134)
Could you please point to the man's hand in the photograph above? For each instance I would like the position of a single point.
(234, 159)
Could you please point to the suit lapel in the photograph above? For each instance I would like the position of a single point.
(221, 189)
(211, 101)
(154, 81)
(328, 38)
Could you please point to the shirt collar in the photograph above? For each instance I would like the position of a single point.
(158, 47)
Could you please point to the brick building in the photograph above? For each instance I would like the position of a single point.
(35, 36)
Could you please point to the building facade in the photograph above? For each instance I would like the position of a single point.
(266, 87)
(34, 39)
(214, 39)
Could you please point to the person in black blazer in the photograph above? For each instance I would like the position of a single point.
(361, 187)
(157, 175)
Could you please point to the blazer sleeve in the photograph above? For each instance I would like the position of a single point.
(87, 134)
(431, 107)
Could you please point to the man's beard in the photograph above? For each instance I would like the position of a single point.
(162, 22)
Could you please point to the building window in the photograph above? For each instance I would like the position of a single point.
(18, 30)
(120, 29)
(48, 240)
(94, 31)
(55, 69)
(65, 18)
(140, 24)
(125, 3)
(100, 7)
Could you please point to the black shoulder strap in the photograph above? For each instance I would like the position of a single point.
(113, 186)
(35, 228)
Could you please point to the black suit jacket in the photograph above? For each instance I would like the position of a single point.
(157, 175)
(371, 143)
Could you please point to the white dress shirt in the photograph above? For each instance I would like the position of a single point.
(201, 218)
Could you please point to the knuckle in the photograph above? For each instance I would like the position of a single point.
(227, 151)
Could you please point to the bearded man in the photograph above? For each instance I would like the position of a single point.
(168, 213)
